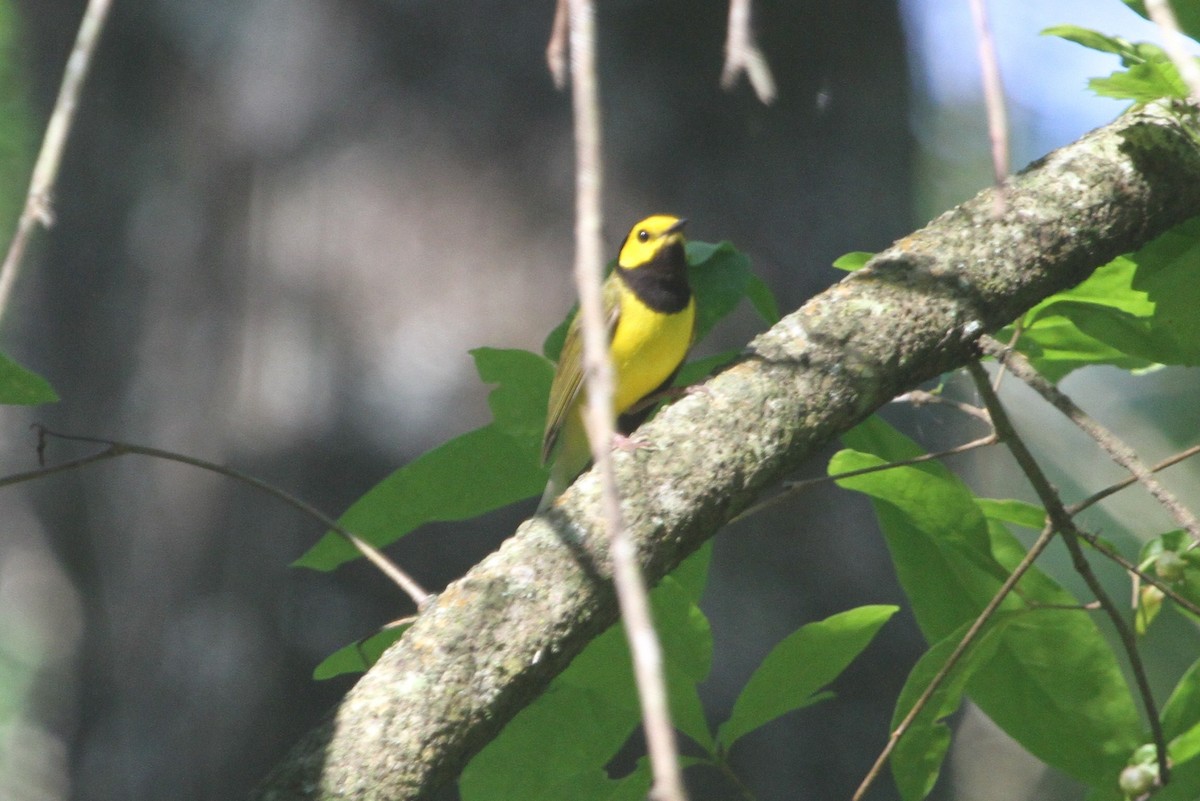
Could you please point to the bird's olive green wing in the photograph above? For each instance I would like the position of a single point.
(568, 377)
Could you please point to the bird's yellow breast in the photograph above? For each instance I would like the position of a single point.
(647, 346)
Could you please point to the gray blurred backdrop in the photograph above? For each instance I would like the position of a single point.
(281, 224)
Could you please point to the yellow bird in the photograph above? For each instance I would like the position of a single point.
(651, 317)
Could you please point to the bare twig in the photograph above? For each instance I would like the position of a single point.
(1120, 453)
(919, 397)
(1163, 15)
(556, 48)
(993, 95)
(1060, 521)
(632, 595)
(742, 54)
(792, 487)
(114, 448)
(45, 171)
(955, 656)
(1096, 497)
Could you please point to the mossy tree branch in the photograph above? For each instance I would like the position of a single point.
(494, 639)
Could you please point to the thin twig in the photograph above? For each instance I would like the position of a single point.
(556, 48)
(1018, 329)
(1104, 550)
(955, 656)
(1120, 453)
(1096, 497)
(632, 596)
(45, 170)
(919, 397)
(993, 96)
(1163, 16)
(1061, 522)
(742, 54)
(792, 487)
(114, 448)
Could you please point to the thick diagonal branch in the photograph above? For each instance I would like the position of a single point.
(493, 640)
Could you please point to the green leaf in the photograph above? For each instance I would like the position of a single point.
(576, 727)
(1187, 14)
(523, 379)
(1149, 74)
(359, 655)
(1019, 513)
(799, 666)
(719, 275)
(20, 387)
(1054, 684)
(936, 534)
(474, 473)
(917, 758)
(467, 476)
(762, 299)
(1181, 712)
(1090, 39)
(16, 131)
(855, 260)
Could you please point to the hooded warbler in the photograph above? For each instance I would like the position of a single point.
(651, 317)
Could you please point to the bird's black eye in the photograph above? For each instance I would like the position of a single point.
(643, 235)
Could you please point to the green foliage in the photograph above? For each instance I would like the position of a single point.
(360, 654)
(790, 677)
(1149, 74)
(917, 759)
(16, 153)
(20, 387)
(855, 260)
(502, 459)
(1053, 682)
(1135, 312)
(1187, 14)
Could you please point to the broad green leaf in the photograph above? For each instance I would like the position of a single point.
(1057, 348)
(1186, 746)
(935, 532)
(799, 666)
(16, 131)
(692, 573)
(762, 299)
(1056, 345)
(855, 260)
(1166, 272)
(1054, 684)
(589, 711)
(720, 276)
(1184, 785)
(474, 473)
(1181, 712)
(1090, 39)
(359, 655)
(1018, 513)
(20, 387)
(465, 477)
(1149, 74)
(1142, 83)
(518, 402)
(917, 758)
(687, 710)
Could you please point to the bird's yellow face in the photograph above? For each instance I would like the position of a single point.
(649, 237)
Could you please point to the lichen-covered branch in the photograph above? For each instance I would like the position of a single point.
(495, 638)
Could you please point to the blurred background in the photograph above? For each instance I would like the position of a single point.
(280, 226)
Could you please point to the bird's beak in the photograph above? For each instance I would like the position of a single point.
(678, 226)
